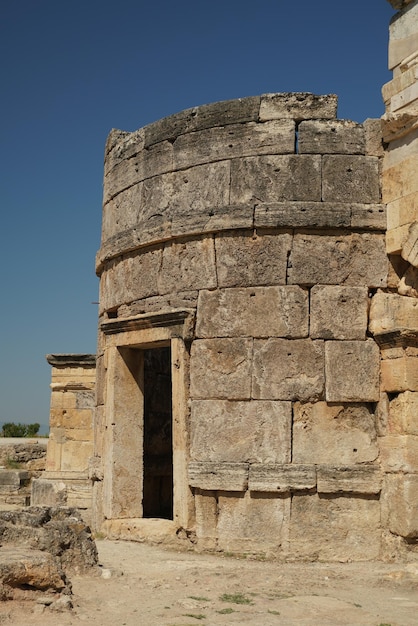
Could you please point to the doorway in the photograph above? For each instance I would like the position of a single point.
(158, 434)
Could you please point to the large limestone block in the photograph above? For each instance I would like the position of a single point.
(221, 368)
(390, 312)
(409, 250)
(348, 259)
(338, 312)
(288, 369)
(188, 265)
(352, 371)
(403, 210)
(130, 279)
(350, 179)
(401, 179)
(244, 259)
(399, 374)
(333, 434)
(253, 312)
(46, 492)
(218, 476)
(297, 106)
(276, 178)
(251, 524)
(238, 432)
(121, 145)
(399, 453)
(282, 478)
(331, 137)
(206, 116)
(400, 504)
(212, 219)
(75, 456)
(70, 419)
(235, 140)
(206, 503)
(366, 479)
(403, 33)
(328, 528)
(403, 414)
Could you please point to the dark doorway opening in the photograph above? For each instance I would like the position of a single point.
(158, 434)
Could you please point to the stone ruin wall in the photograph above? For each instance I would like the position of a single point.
(260, 221)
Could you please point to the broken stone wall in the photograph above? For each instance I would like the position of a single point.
(260, 222)
(70, 445)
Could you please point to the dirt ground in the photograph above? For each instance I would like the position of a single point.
(142, 585)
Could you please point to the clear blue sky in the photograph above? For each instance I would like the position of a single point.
(71, 71)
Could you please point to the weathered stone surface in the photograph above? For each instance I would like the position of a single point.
(400, 504)
(281, 478)
(350, 179)
(352, 371)
(288, 369)
(331, 137)
(206, 503)
(12, 480)
(399, 453)
(400, 180)
(404, 210)
(333, 434)
(188, 265)
(373, 137)
(238, 432)
(297, 106)
(242, 312)
(338, 312)
(356, 259)
(328, 528)
(221, 368)
(403, 414)
(244, 259)
(368, 216)
(251, 523)
(212, 219)
(399, 374)
(409, 250)
(199, 118)
(403, 31)
(276, 178)
(48, 493)
(218, 476)
(390, 312)
(235, 140)
(302, 215)
(365, 479)
(408, 285)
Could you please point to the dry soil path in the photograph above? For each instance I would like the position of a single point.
(143, 585)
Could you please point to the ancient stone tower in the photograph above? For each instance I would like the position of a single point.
(257, 365)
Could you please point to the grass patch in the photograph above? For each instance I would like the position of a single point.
(195, 615)
(273, 612)
(227, 611)
(12, 464)
(200, 598)
(235, 598)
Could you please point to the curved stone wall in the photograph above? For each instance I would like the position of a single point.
(259, 221)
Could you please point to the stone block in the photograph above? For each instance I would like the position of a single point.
(366, 479)
(282, 478)
(206, 116)
(213, 219)
(239, 432)
(234, 141)
(349, 259)
(288, 369)
(12, 480)
(329, 528)
(130, 279)
(403, 35)
(352, 371)
(46, 492)
(206, 504)
(221, 368)
(276, 179)
(245, 260)
(188, 265)
(218, 476)
(373, 137)
(297, 106)
(338, 312)
(253, 312)
(368, 217)
(403, 211)
(252, 524)
(350, 179)
(75, 455)
(409, 250)
(390, 312)
(333, 434)
(399, 374)
(302, 215)
(400, 180)
(395, 238)
(121, 145)
(400, 504)
(399, 453)
(403, 414)
(331, 137)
